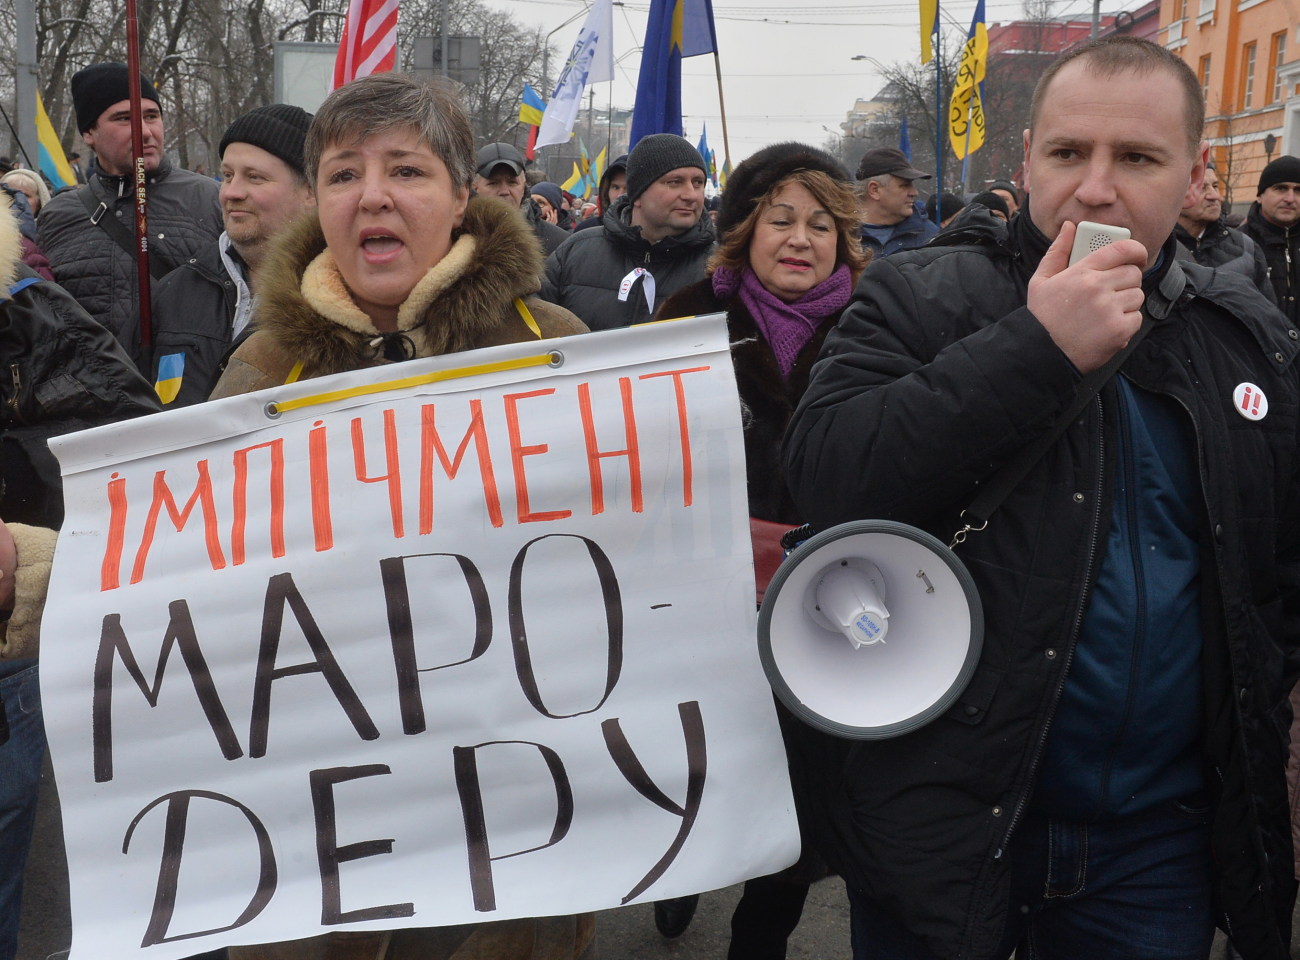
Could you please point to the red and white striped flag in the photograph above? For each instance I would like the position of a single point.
(369, 43)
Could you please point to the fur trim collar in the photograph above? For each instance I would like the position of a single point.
(305, 306)
(11, 246)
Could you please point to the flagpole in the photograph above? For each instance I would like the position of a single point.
(722, 106)
(141, 202)
(965, 159)
(938, 120)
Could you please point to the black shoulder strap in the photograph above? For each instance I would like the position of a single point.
(100, 217)
(999, 486)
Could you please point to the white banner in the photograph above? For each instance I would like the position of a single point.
(388, 654)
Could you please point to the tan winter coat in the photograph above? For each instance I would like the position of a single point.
(467, 300)
(305, 314)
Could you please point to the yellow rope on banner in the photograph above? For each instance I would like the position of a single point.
(538, 360)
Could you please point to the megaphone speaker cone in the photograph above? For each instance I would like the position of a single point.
(870, 629)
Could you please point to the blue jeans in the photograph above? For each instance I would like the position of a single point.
(1136, 888)
(20, 777)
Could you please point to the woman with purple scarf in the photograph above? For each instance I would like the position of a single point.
(784, 269)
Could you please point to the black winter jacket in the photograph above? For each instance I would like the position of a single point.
(184, 218)
(60, 371)
(584, 274)
(1224, 248)
(193, 313)
(936, 375)
(1281, 247)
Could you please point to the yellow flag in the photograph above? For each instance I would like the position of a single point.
(929, 24)
(966, 121)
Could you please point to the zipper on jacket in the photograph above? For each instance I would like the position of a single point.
(1018, 814)
(17, 378)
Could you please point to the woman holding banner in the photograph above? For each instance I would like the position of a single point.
(399, 262)
(785, 267)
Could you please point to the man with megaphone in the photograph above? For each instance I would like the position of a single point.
(1111, 781)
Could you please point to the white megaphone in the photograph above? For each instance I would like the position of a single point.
(870, 629)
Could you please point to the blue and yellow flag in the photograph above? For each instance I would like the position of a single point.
(532, 108)
(929, 27)
(50, 156)
(676, 29)
(574, 182)
(171, 370)
(966, 107)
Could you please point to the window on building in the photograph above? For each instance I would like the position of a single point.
(1247, 75)
(1204, 73)
(1207, 8)
(1275, 60)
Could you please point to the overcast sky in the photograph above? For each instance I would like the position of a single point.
(788, 68)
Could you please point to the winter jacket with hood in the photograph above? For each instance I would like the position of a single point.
(305, 315)
(585, 273)
(61, 372)
(1281, 246)
(936, 375)
(1224, 248)
(184, 219)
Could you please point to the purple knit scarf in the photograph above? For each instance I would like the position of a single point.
(787, 327)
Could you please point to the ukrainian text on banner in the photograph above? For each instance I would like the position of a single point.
(474, 649)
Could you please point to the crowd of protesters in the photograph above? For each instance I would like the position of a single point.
(1114, 781)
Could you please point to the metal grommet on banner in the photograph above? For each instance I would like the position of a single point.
(555, 358)
(272, 411)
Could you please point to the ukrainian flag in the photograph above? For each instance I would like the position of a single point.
(966, 106)
(50, 157)
(171, 370)
(532, 109)
(929, 27)
(676, 29)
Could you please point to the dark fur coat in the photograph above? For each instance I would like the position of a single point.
(767, 399)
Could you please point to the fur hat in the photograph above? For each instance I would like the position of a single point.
(763, 170)
(655, 155)
(97, 87)
(1282, 170)
(279, 129)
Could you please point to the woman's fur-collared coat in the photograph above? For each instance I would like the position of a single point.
(305, 315)
(467, 300)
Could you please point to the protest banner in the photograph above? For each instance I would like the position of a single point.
(459, 639)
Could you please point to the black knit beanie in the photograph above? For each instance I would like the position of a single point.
(97, 87)
(279, 129)
(763, 170)
(655, 155)
(1281, 170)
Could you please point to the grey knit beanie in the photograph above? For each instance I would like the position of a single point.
(655, 155)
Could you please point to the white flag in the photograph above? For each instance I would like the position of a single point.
(590, 61)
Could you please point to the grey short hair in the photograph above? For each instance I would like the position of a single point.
(389, 101)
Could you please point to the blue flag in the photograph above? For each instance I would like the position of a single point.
(676, 29)
(703, 145)
(904, 142)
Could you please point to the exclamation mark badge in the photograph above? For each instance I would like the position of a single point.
(1249, 401)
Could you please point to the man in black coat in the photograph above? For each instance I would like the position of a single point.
(1273, 222)
(653, 241)
(1204, 236)
(205, 303)
(1111, 781)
